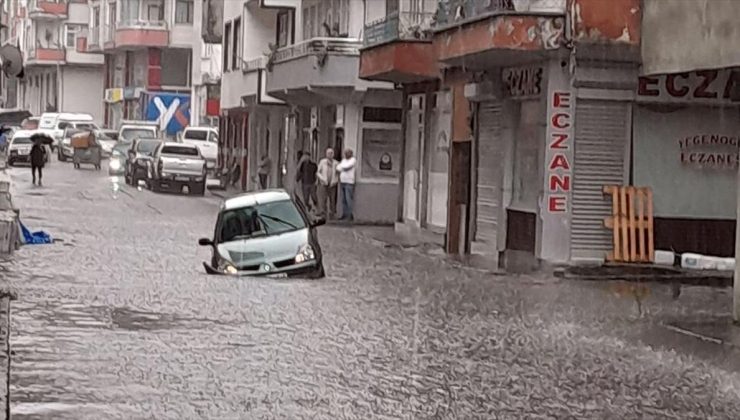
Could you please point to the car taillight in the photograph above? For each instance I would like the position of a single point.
(160, 166)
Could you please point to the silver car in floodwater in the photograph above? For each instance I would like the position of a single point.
(265, 233)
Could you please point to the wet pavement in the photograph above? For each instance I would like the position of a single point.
(117, 320)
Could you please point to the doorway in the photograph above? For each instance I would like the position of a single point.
(414, 159)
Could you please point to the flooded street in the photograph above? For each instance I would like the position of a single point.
(117, 320)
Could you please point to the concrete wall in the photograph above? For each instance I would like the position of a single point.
(82, 79)
(689, 35)
(78, 13)
(609, 22)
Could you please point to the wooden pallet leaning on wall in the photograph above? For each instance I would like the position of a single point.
(631, 223)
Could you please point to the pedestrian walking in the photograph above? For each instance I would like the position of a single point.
(3, 139)
(327, 188)
(38, 158)
(307, 177)
(265, 167)
(346, 169)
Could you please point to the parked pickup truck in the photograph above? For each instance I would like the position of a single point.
(131, 130)
(206, 139)
(177, 167)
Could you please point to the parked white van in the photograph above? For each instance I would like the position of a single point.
(53, 124)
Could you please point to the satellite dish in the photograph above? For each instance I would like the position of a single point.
(12, 61)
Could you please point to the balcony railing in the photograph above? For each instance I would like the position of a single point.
(318, 46)
(142, 24)
(406, 26)
(455, 12)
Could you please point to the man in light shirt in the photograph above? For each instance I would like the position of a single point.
(328, 180)
(346, 169)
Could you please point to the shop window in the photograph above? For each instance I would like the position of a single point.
(381, 152)
(382, 115)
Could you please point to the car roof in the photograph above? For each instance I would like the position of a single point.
(253, 198)
(25, 133)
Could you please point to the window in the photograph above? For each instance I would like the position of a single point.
(227, 42)
(237, 44)
(283, 28)
(129, 10)
(155, 12)
(184, 11)
(327, 19)
(179, 150)
(71, 34)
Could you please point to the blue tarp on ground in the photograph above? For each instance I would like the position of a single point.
(34, 238)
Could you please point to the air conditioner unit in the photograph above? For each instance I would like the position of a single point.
(113, 95)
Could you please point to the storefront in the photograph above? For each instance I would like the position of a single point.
(427, 160)
(686, 138)
(508, 145)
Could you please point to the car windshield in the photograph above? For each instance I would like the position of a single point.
(122, 148)
(130, 134)
(147, 146)
(201, 135)
(22, 140)
(86, 126)
(180, 150)
(260, 220)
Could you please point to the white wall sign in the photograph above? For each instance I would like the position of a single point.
(522, 82)
(704, 86)
(709, 151)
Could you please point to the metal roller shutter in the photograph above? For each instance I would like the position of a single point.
(489, 174)
(601, 138)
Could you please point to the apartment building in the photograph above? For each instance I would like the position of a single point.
(295, 86)
(150, 49)
(53, 36)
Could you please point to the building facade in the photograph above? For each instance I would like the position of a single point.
(59, 64)
(150, 47)
(295, 87)
(537, 98)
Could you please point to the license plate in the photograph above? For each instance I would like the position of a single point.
(182, 178)
(278, 276)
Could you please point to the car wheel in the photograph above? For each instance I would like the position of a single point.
(202, 190)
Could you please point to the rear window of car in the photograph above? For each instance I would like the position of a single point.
(147, 146)
(196, 135)
(22, 140)
(179, 150)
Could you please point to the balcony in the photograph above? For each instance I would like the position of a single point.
(253, 85)
(82, 55)
(47, 10)
(46, 56)
(398, 49)
(134, 34)
(497, 32)
(328, 69)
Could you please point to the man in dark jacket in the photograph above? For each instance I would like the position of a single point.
(38, 158)
(306, 175)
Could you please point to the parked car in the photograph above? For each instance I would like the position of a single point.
(118, 158)
(30, 123)
(139, 160)
(19, 148)
(265, 233)
(131, 130)
(206, 138)
(53, 124)
(177, 167)
(111, 134)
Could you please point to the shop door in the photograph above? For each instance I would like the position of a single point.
(489, 169)
(439, 161)
(414, 159)
(602, 134)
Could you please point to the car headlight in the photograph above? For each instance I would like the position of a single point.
(230, 269)
(115, 164)
(210, 164)
(306, 253)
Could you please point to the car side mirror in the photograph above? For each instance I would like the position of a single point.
(205, 242)
(318, 222)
